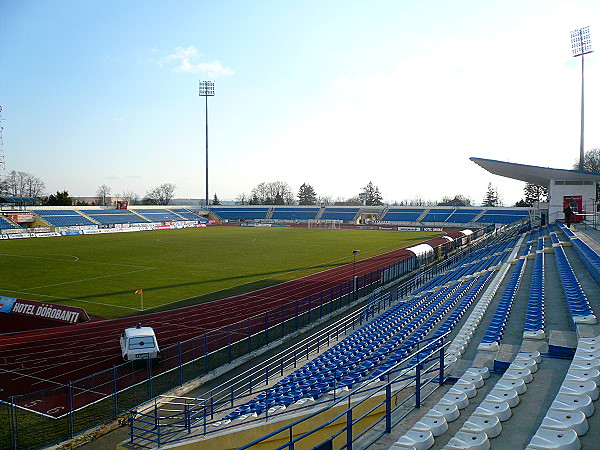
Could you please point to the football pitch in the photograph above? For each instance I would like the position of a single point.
(178, 267)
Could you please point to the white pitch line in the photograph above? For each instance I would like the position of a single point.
(88, 279)
(76, 260)
(70, 298)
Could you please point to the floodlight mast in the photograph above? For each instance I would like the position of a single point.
(581, 45)
(206, 89)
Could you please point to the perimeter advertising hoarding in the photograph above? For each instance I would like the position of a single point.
(22, 218)
(49, 311)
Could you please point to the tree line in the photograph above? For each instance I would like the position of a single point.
(23, 184)
(280, 193)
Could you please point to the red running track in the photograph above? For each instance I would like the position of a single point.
(49, 358)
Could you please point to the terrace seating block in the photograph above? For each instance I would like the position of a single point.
(468, 440)
(418, 440)
(547, 438)
(489, 425)
(563, 420)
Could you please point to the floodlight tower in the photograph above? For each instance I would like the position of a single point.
(207, 89)
(2, 166)
(580, 46)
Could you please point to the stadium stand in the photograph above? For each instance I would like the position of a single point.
(503, 216)
(241, 212)
(6, 225)
(63, 217)
(302, 213)
(157, 215)
(437, 215)
(337, 213)
(187, 214)
(403, 214)
(114, 216)
(464, 215)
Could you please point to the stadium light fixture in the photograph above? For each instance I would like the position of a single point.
(354, 253)
(581, 45)
(206, 89)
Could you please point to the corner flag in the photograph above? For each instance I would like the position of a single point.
(139, 291)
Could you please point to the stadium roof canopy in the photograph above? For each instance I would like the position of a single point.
(540, 176)
(17, 199)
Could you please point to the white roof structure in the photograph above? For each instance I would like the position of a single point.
(540, 176)
(421, 249)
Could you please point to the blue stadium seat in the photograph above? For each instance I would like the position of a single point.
(63, 217)
(338, 213)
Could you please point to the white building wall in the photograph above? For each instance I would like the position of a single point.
(558, 191)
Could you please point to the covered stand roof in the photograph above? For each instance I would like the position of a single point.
(540, 176)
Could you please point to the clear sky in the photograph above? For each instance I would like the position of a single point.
(335, 93)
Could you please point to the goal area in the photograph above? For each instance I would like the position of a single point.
(324, 224)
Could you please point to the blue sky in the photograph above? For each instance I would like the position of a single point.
(332, 93)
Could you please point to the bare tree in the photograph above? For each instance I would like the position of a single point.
(272, 193)
(132, 197)
(242, 199)
(459, 198)
(324, 200)
(353, 201)
(103, 193)
(22, 184)
(160, 195)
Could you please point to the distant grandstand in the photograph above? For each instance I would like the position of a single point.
(20, 222)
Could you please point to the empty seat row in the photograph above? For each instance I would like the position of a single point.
(158, 215)
(454, 317)
(350, 361)
(589, 258)
(535, 316)
(495, 330)
(577, 303)
(6, 225)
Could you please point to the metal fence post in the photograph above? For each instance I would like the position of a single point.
(228, 343)
(149, 366)
(206, 351)
(388, 408)
(321, 306)
(442, 363)
(13, 424)
(188, 419)
(267, 327)
(418, 387)
(71, 408)
(282, 320)
(349, 429)
(297, 325)
(180, 359)
(249, 336)
(115, 393)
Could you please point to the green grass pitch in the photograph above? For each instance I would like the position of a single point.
(178, 267)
